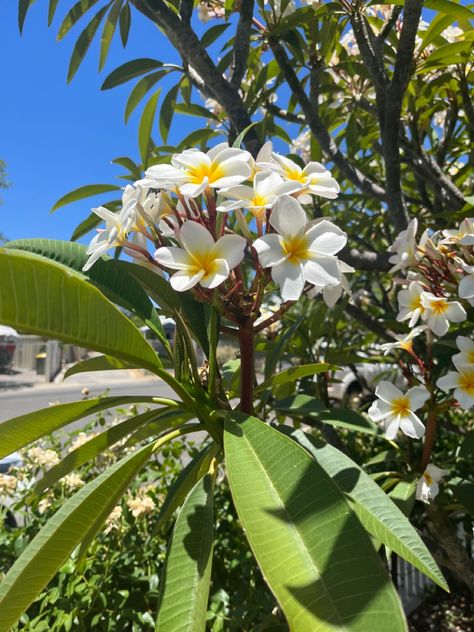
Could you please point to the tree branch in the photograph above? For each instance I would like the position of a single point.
(365, 260)
(242, 42)
(318, 128)
(370, 323)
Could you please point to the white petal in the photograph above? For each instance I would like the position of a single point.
(435, 472)
(455, 312)
(387, 391)
(465, 400)
(438, 323)
(195, 238)
(466, 287)
(220, 272)
(230, 248)
(190, 159)
(412, 426)
(448, 381)
(326, 238)
(239, 192)
(184, 280)
(290, 278)
(193, 190)
(269, 250)
(392, 425)
(379, 410)
(288, 217)
(417, 397)
(322, 271)
(464, 343)
(331, 294)
(172, 257)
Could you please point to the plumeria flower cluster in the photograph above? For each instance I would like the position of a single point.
(204, 213)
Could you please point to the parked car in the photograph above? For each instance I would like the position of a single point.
(354, 386)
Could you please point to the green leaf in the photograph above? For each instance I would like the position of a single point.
(52, 546)
(435, 28)
(140, 90)
(188, 477)
(466, 450)
(198, 138)
(52, 10)
(98, 363)
(92, 448)
(443, 6)
(313, 409)
(112, 280)
(464, 492)
(84, 41)
(145, 127)
(124, 23)
(376, 511)
(187, 572)
(86, 226)
(292, 374)
(166, 418)
(212, 34)
(23, 7)
(75, 13)
(446, 51)
(42, 297)
(192, 109)
(84, 192)
(403, 495)
(130, 70)
(108, 32)
(167, 111)
(239, 140)
(128, 163)
(326, 575)
(20, 431)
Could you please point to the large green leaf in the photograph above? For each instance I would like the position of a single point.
(108, 32)
(187, 573)
(98, 363)
(183, 484)
(84, 41)
(145, 126)
(74, 14)
(130, 70)
(443, 6)
(377, 512)
(20, 431)
(139, 91)
(95, 446)
(42, 297)
(313, 552)
(84, 192)
(58, 538)
(106, 274)
(292, 374)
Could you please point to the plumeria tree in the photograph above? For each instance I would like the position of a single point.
(326, 128)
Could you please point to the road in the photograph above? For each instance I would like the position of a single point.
(20, 402)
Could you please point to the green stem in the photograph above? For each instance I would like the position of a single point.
(213, 340)
(246, 368)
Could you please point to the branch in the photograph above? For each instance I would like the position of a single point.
(318, 128)
(365, 260)
(370, 323)
(186, 42)
(388, 26)
(186, 10)
(242, 42)
(283, 114)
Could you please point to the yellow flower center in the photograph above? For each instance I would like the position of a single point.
(428, 479)
(466, 382)
(407, 345)
(295, 173)
(212, 172)
(259, 200)
(439, 307)
(417, 304)
(296, 249)
(203, 262)
(401, 406)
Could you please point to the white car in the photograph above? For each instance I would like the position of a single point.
(353, 386)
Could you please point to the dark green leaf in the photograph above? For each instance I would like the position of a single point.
(145, 127)
(23, 7)
(140, 90)
(212, 34)
(84, 41)
(167, 111)
(86, 226)
(124, 23)
(86, 191)
(75, 13)
(52, 10)
(108, 32)
(130, 70)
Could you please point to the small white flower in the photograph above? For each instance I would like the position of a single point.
(348, 41)
(452, 34)
(140, 506)
(465, 359)
(314, 179)
(300, 252)
(463, 235)
(43, 458)
(72, 481)
(410, 304)
(114, 520)
(8, 484)
(267, 187)
(395, 409)
(439, 313)
(463, 384)
(403, 342)
(466, 285)
(193, 171)
(201, 260)
(427, 487)
(405, 248)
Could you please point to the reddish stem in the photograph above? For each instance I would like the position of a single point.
(429, 439)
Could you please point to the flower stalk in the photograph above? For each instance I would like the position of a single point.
(247, 369)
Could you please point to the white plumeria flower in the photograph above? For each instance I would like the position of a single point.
(439, 312)
(466, 285)
(463, 384)
(395, 409)
(403, 342)
(405, 248)
(332, 293)
(267, 187)
(463, 235)
(465, 359)
(314, 178)
(410, 304)
(300, 252)
(201, 260)
(427, 487)
(193, 171)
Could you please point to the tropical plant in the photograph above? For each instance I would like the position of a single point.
(231, 228)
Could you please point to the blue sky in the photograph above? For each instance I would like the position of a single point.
(56, 137)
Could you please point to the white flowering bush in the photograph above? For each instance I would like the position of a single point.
(285, 253)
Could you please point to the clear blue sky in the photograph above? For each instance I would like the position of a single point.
(56, 137)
